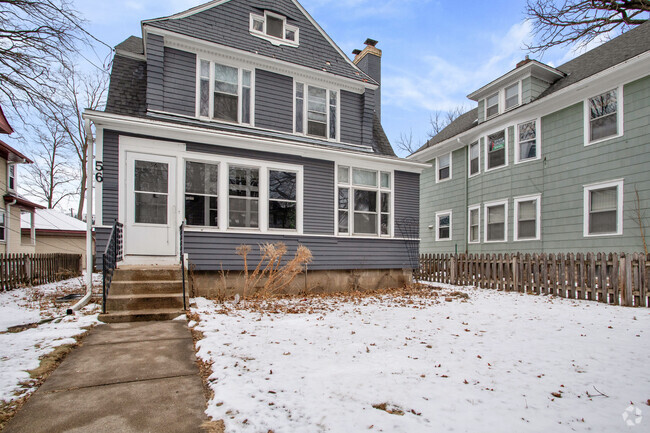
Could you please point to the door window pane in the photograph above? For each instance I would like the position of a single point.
(150, 208)
(496, 149)
(150, 176)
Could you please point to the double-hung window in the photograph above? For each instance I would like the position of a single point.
(244, 193)
(474, 154)
(443, 170)
(512, 96)
(492, 105)
(364, 201)
(11, 176)
(201, 194)
(603, 112)
(443, 226)
(603, 213)
(225, 92)
(474, 234)
(3, 226)
(496, 150)
(496, 221)
(527, 218)
(282, 200)
(316, 111)
(527, 141)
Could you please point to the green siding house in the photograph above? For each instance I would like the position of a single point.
(550, 160)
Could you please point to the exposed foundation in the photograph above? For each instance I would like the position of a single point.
(211, 284)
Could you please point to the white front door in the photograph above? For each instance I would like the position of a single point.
(150, 227)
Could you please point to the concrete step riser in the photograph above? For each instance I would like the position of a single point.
(147, 274)
(143, 287)
(126, 304)
(148, 317)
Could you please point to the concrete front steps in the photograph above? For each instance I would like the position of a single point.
(144, 293)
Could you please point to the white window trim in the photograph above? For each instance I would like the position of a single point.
(272, 39)
(538, 216)
(240, 67)
(269, 199)
(499, 105)
(619, 117)
(538, 142)
(469, 226)
(219, 192)
(503, 97)
(619, 207)
(505, 222)
(469, 159)
(305, 105)
(438, 180)
(438, 215)
(487, 153)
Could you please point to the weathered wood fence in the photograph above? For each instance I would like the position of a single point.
(18, 270)
(610, 278)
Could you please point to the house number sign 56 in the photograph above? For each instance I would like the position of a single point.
(99, 168)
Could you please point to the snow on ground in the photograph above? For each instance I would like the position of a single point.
(488, 364)
(20, 350)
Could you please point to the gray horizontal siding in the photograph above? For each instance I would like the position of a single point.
(273, 101)
(212, 251)
(101, 240)
(407, 198)
(179, 82)
(351, 117)
(155, 60)
(111, 175)
(367, 117)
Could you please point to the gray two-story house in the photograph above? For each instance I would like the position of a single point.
(552, 159)
(245, 120)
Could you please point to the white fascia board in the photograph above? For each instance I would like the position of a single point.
(202, 47)
(518, 73)
(618, 75)
(184, 133)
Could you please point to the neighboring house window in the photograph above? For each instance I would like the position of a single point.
(317, 117)
(443, 171)
(225, 92)
(364, 201)
(201, 194)
(527, 141)
(512, 96)
(496, 221)
(3, 226)
(496, 150)
(474, 154)
(151, 189)
(443, 226)
(274, 28)
(244, 195)
(11, 176)
(603, 116)
(492, 105)
(282, 200)
(474, 235)
(527, 218)
(603, 214)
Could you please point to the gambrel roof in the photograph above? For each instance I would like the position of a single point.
(227, 22)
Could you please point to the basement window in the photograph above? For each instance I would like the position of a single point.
(274, 28)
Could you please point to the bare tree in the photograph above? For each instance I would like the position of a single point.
(52, 178)
(439, 120)
(405, 143)
(568, 22)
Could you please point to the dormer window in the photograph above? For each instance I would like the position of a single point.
(492, 105)
(512, 96)
(274, 28)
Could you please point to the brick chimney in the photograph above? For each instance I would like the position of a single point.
(523, 62)
(369, 61)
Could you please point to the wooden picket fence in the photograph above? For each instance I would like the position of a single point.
(619, 279)
(21, 270)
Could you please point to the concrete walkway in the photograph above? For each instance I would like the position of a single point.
(125, 377)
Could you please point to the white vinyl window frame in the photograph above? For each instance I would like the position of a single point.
(305, 108)
(504, 98)
(619, 117)
(440, 215)
(471, 209)
(469, 159)
(498, 105)
(538, 142)
(491, 204)
(185, 193)
(269, 199)
(619, 183)
(438, 167)
(273, 39)
(486, 158)
(537, 198)
(240, 86)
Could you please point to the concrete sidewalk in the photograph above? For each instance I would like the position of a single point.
(125, 377)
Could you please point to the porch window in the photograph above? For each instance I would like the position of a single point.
(603, 116)
(244, 195)
(224, 92)
(201, 194)
(474, 152)
(282, 200)
(496, 150)
(151, 192)
(492, 105)
(318, 115)
(496, 222)
(364, 201)
(527, 141)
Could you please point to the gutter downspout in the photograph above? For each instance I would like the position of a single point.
(89, 219)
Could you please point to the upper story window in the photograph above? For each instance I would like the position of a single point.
(496, 150)
(512, 96)
(225, 92)
(316, 111)
(443, 170)
(364, 206)
(474, 153)
(274, 28)
(11, 177)
(492, 105)
(526, 148)
(603, 116)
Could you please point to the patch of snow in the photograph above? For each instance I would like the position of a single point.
(497, 362)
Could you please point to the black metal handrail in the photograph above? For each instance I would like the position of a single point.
(112, 255)
(182, 249)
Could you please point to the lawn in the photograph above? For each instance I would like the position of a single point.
(426, 362)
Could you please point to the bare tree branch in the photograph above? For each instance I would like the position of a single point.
(439, 120)
(578, 22)
(406, 144)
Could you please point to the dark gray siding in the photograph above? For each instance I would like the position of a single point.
(351, 117)
(273, 101)
(371, 65)
(211, 251)
(111, 175)
(101, 240)
(155, 63)
(179, 82)
(368, 115)
(318, 188)
(407, 196)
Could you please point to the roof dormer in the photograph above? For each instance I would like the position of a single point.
(519, 86)
(274, 28)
